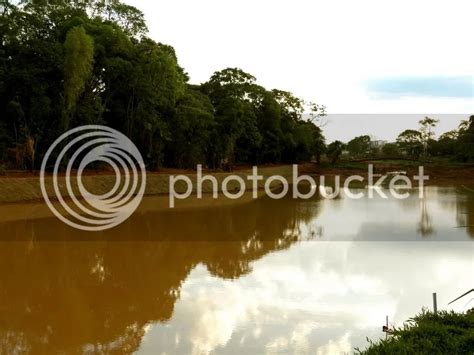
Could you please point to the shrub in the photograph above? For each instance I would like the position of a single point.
(428, 333)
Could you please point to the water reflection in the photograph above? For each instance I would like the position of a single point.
(425, 227)
(263, 219)
(232, 278)
(315, 298)
(465, 210)
(67, 296)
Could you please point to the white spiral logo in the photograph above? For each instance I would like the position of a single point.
(78, 148)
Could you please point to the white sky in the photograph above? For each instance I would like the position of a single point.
(324, 51)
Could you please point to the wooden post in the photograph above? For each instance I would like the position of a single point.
(435, 304)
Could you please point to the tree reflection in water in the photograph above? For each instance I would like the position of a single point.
(425, 226)
(63, 291)
(465, 210)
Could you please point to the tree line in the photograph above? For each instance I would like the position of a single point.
(67, 63)
(455, 145)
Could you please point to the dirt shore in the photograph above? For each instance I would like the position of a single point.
(21, 187)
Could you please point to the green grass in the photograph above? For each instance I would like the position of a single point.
(25, 189)
(428, 333)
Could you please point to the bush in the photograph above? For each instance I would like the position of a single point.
(428, 333)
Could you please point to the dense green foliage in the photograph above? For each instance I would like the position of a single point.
(427, 333)
(359, 146)
(335, 150)
(456, 145)
(465, 141)
(67, 63)
(410, 143)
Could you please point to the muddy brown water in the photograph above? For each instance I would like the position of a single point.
(254, 277)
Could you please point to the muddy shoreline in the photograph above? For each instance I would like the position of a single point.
(25, 187)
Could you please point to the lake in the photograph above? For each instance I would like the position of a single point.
(264, 276)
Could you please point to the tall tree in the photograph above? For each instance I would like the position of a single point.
(191, 127)
(359, 146)
(66, 63)
(465, 149)
(411, 143)
(235, 97)
(427, 126)
(78, 64)
(334, 151)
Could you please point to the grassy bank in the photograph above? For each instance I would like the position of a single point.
(427, 333)
(26, 188)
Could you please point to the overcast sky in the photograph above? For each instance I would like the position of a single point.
(404, 57)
